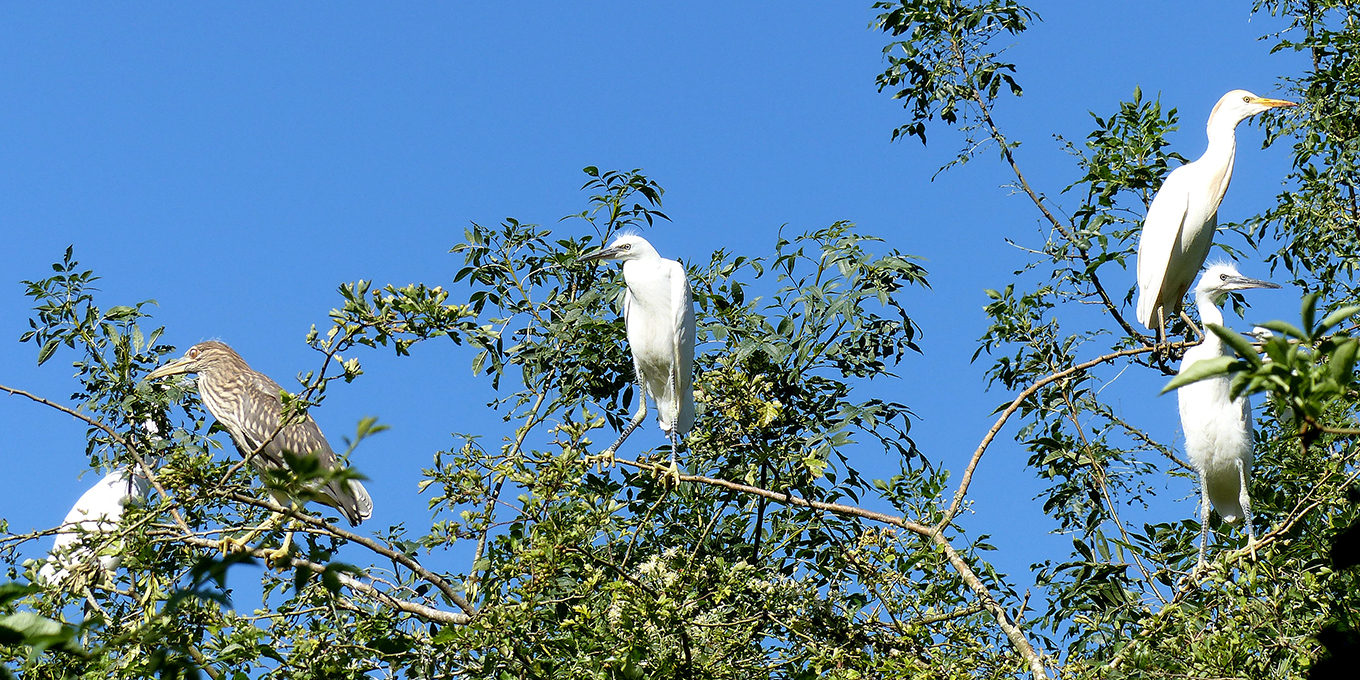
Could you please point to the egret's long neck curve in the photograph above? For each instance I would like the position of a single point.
(1218, 158)
(1209, 313)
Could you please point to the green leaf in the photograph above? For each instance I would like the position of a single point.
(1201, 370)
(1310, 309)
(1240, 343)
(1342, 363)
(47, 349)
(37, 631)
(1336, 317)
(13, 590)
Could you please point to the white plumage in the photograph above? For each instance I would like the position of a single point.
(1180, 222)
(1218, 429)
(658, 313)
(84, 532)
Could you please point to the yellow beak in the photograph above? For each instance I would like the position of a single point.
(1273, 103)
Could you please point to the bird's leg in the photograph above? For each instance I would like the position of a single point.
(280, 558)
(1203, 518)
(606, 459)
(230, 544)
(1244, 498)
(671, 476)
(1160, 345)
(1199, 334)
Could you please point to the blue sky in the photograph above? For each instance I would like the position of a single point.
(237, 163)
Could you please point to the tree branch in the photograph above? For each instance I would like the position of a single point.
(1015, 406)
(423, 611)
(141, 462)
(1038, 201)
(394, 555)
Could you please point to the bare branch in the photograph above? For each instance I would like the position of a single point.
(394, 555)
(141, 461)
(1015, 406)
(423, 611)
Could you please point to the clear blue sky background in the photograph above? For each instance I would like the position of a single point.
(238, 163)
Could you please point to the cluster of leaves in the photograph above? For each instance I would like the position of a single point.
(1316, 219)
(572, 571)
(942, 66)
(1308, 372)
(1126, 601)
(615, 575)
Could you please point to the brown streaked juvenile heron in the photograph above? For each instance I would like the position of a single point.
(248, 404)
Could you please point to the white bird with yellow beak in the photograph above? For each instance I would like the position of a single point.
(1180, 222)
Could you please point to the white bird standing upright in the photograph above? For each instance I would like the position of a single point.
(93, 517)
(1180, 222)
(1218, 431)
(658, 313)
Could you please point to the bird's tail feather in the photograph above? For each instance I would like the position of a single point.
(352, 501)
(1229, 509)
(1146, 305)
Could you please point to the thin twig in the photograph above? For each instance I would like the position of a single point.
(141, 461)
(423, 611)
(1015, 406)
(394, 555)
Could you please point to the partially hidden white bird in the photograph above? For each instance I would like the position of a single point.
(1218, 429)
(658, 312)
(85, 531)
(1180, 222)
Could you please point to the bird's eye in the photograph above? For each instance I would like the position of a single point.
(1222, 277)
(626, 246)
(192, 354)
(1246, 99)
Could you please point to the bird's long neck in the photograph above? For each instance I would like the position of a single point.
(1209, 313)
(1220, 155)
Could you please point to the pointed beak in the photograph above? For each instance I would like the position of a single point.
(177, 367)
(1274, 103)
(601, 254)
(1244, 283)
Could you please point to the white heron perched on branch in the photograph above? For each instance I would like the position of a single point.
(1180, 222)
(658, 312)
(1218, 428)
(84, 532)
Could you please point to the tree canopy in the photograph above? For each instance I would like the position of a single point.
(774, 556)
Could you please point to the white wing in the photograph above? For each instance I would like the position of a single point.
(1161, 232)
(685, 328)
(96, 513)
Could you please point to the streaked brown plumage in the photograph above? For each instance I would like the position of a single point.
(247, 403)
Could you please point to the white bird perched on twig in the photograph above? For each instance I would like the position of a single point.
(1218, 429)
(84, 531)
(658, 312)
(1180, 222)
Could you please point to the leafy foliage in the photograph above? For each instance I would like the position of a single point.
(774, 556)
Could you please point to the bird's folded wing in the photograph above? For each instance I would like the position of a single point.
(683, 300)
(1161, 230)
(261, 409)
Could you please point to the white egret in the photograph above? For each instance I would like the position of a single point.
(1180, 222)
(1218, 431)
(84, 531)
(658, 312)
